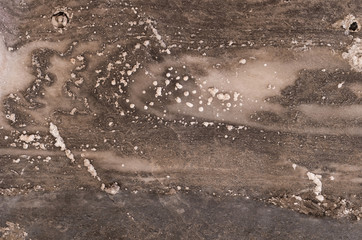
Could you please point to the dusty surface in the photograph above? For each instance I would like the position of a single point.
(180, 119)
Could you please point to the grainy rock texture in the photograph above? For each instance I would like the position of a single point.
(176, 119)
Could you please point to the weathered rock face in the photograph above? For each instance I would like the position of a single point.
(180, 119)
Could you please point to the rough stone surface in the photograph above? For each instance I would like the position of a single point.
(180, 119)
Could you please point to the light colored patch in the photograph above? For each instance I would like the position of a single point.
(347, 22)
(91, 169)
(155, 33)
(318, 188)
(56, 92)
(113, 189)
(109, 160)
(59, 142)
(232, 92)
(13, 231)
(330, 113)
(15, 68)
(354, 55)
(27, 138)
